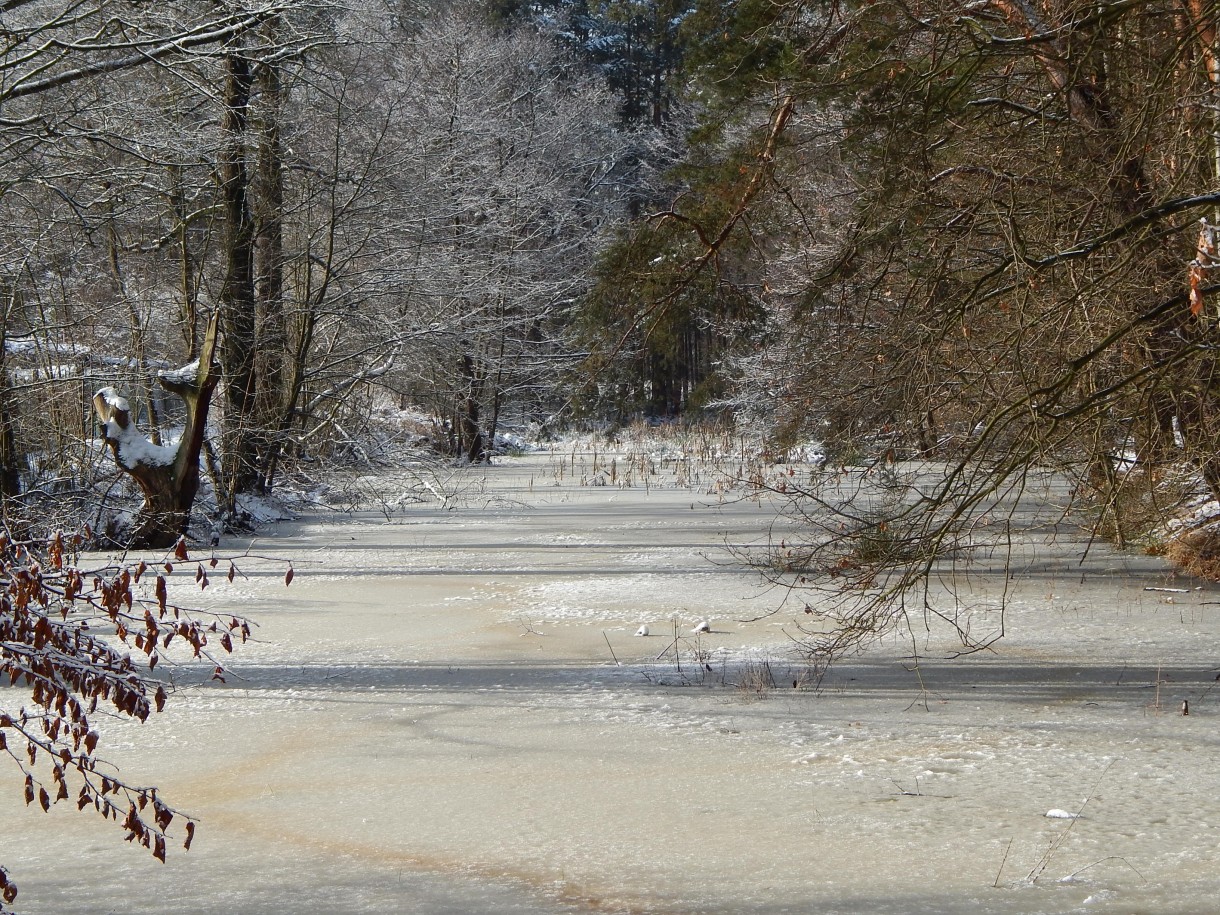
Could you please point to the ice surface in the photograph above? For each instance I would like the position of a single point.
(449, 712)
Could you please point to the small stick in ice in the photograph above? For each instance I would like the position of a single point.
(617, 663)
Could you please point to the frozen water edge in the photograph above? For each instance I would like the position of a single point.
(432, 721)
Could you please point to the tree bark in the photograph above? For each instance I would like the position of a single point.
(138, 352)
(472, 443)
(187, 272)
(10, 460)
(271, 354)
(10, 466)
(237, 298)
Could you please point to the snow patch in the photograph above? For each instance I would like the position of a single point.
(185, 375)
(133, 449)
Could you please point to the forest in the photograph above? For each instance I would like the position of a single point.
(978, 230)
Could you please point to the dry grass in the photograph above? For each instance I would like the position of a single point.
(1197, 553)
(756, 678)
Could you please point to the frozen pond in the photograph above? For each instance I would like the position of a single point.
(449, 712)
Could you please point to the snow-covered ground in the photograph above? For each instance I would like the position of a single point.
(450, 711)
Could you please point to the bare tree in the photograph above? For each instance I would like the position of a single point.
(512, 178)
(110, 206)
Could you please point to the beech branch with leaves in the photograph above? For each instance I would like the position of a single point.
(67, 634)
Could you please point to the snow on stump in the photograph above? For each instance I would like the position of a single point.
(167, 476)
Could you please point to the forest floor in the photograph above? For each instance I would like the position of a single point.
(449, 712)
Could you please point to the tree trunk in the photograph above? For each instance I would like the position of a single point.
(138, 352)
(168, 478)
(237, 297)
(10, 467)
(470, 434)
(10, 460)
(187, 275)
(271, 354)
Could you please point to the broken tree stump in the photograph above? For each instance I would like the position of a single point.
(168, 475)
